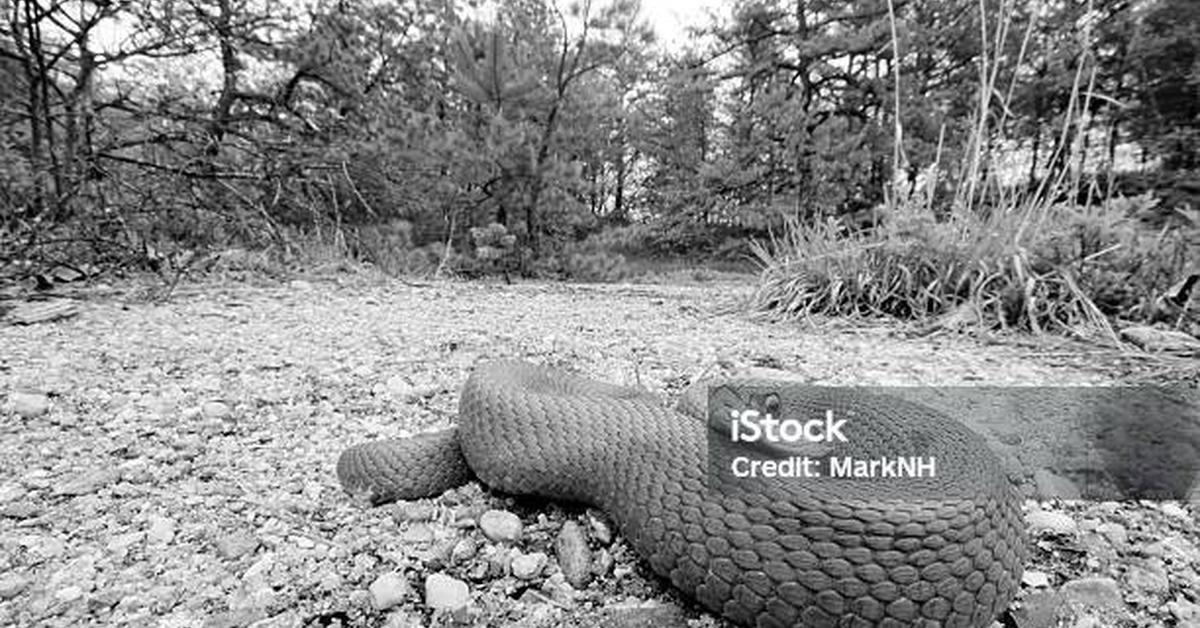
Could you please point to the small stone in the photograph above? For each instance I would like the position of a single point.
(643, 615)
(397, 387)
(529, 566)
(1175, 511)
(573, 556)
(500, 526)
(402, 619)
(601, 530)
(20, 510)
(446, 593)
(500, 563)
(389, 590)
(215, 410)
(1087, 620)
(303, 542)
(1183, 610)
(1097, 593)
(11, 493)
(160, 530)
(1115, 533)
(464, 550)
(1039, 610)
(417, 534)
(121, 543)
(88, 482)
(11, 586)
(29, 405)
(560, 590)
(603, 563)
(1053, 522)
(241, 618)
(1035, 579)
(68, 593)
(236, 545)
(47, 546)
(1149, 576)
(413, 511)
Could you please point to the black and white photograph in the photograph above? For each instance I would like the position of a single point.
(600, 313)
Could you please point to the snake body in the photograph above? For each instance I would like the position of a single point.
(942, 551)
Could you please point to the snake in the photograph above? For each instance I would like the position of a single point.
(945, 549)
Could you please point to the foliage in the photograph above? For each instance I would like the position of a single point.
(394, 131)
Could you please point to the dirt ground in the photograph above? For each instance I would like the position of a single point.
(172, 463)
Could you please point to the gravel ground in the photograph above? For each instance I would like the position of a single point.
(171, 464)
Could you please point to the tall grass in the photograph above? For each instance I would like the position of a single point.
(1006, 258)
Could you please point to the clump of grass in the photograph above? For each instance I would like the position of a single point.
(1016, 261)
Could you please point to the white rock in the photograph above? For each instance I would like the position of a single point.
(1174, 510)
(69, 593)
(389, 590)
(215, 410)
(529, 566)
(29, 405)
(445, 593)
(1035, 579)
(11, 585)
(1055, 522)
(500, 526)
(160, 530)
(417, 534)
(1115, 533)
(1099, 593)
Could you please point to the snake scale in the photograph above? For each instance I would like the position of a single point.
(944, 551)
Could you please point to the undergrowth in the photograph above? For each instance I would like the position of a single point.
(1024, 260)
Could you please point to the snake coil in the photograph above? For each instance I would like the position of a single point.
(940, 551)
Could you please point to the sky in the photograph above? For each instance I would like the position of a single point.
(671, 17)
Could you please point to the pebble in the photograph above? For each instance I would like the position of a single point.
(1035, 579)
(601, 530)
(88, 482)
(500, 526)
(643, 615)
(464, 550)
(1053, 522)
(1098, 593)
(68, 593)
(1148, 576)
(413, 511)
(1115, 533)
(443, 592)
(529, 566)
(215, 410)
(389, 590)
(160, 530)
(29, 405)
(571, 548)
(417, 534)
(1183, 610)
(1174, 511)
(1039, 609)
(11, 586)
(11, 493)
(236, 545)
(500, 563)
(603, 563)
(20, 510)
